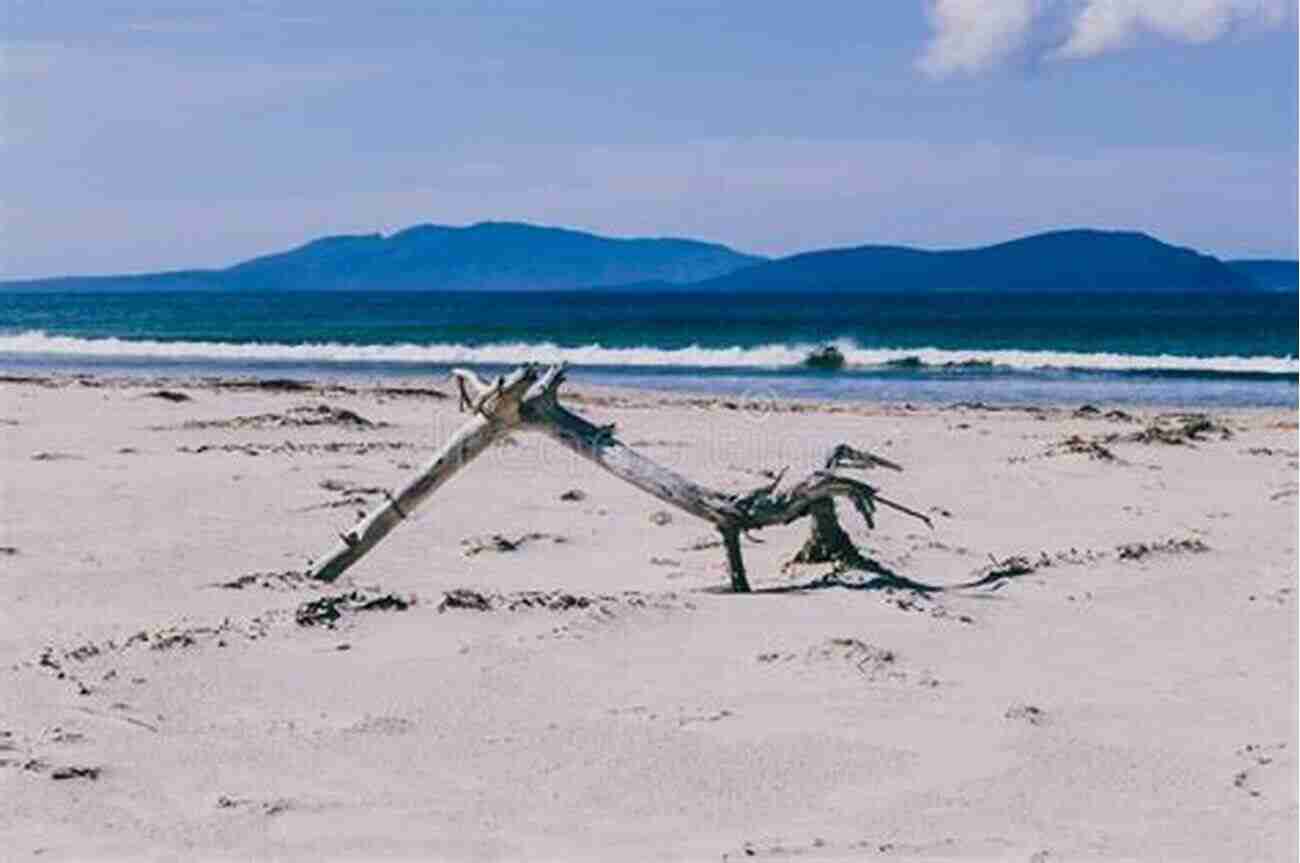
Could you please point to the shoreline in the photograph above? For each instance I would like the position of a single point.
(441, 385)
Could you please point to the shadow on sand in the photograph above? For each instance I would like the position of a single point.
(864, 574)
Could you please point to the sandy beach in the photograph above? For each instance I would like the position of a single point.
(544, 663)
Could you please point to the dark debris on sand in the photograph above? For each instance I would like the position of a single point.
(168, 396)
(302, 416)
(503, 544)
(410, 392)
(70, 664)
(31, 763)
(1093, 449)
(279, 385)
(1087, 411)
(56, 456)
(1139, 550)
(350, 494)
(1026, 713)
(1001, 571)
(35, 380)
(307, 448)
(467, 599)
(288, 579)
(464, 599)
(290, 385)
(1178, 429)
(1017, 565)
(1260, 756)
(328, 610)
(276, 806)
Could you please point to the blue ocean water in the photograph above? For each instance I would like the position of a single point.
(1183, 350)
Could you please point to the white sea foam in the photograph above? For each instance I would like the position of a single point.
(771, 356)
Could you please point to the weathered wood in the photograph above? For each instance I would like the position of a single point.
(468, 442)
(478, 433)
(735, 560)
(528, 400)
(598, 444)
(827, 542)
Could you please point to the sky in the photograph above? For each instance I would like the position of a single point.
(141, 136)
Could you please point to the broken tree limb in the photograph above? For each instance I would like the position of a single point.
(827, 542)
(528, 400)
(735, 560)
(542, 412)
(469, 440)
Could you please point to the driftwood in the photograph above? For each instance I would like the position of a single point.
(527, 400)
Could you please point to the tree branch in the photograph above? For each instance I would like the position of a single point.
(528, 399)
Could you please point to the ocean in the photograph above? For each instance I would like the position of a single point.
(1192, 350)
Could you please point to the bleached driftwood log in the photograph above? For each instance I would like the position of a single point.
(528, 400)
(490, 421)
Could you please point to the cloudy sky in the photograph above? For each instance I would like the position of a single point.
(150, 135)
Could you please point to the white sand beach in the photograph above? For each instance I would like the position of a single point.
(1121, 686)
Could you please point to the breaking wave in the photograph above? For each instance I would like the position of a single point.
(768, 356)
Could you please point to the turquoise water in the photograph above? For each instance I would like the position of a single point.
(1202, 349)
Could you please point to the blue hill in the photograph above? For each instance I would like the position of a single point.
(483, 257)
(1270, 274)
(1074, 261)
(507, 256)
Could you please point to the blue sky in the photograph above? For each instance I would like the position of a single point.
(151, 135)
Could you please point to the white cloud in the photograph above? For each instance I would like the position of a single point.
(973, 35)
(1104, 25)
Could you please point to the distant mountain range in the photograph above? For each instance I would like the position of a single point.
(1076, 261)
(1269, 274)
(489, 256)
(507, 256)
